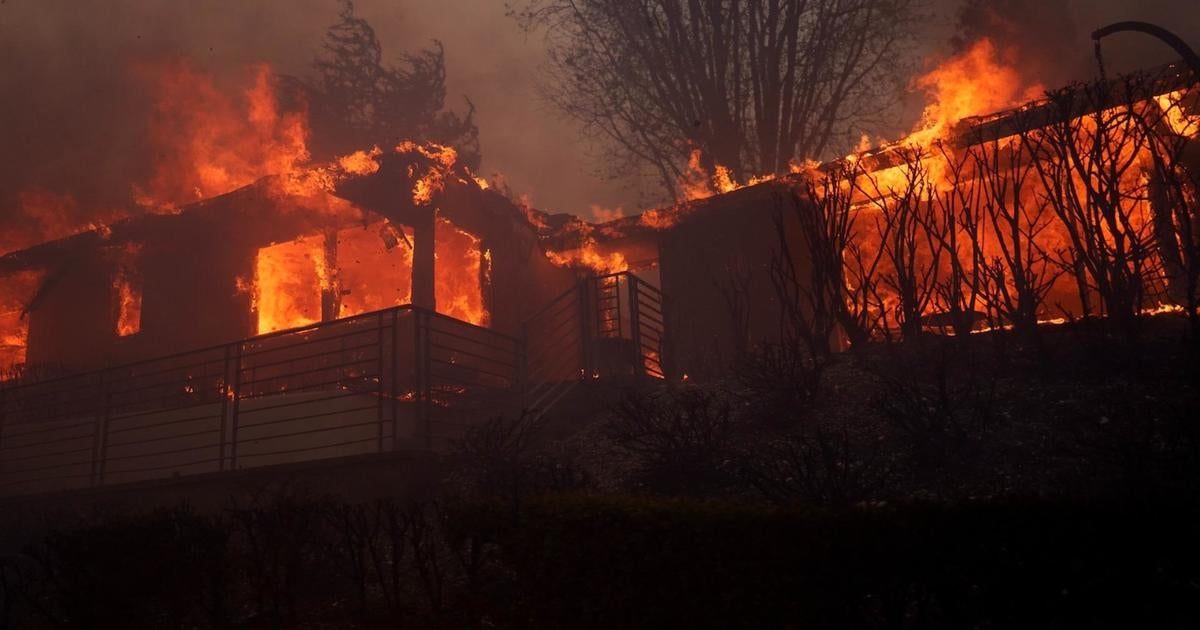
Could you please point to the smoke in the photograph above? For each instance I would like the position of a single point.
(74, 118)
(75, 140)
(1050, 40)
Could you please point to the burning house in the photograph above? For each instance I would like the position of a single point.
(386, 300)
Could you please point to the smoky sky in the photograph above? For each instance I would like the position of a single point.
(73, 115)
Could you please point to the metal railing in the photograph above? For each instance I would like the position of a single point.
(605, 326)
(382, 381)
(630, 310)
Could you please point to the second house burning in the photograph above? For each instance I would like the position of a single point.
(389, 298)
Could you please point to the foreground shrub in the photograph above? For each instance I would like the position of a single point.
(823, 468)
(682, 439)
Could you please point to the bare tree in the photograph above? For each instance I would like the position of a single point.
(1174, 189)
(903, 221)
(956, 222)
(828, 284)
(1092, 167)
(1019, 269)
(753, 84)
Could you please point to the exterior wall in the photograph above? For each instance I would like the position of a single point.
(191, 263)
(715, 270)
(71, 322)
(189, 266)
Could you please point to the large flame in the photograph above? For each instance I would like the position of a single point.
(288, 278)
(459, 273)
(978, 81)
(207, 142)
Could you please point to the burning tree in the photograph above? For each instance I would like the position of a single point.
(1094, 186)
(357, 99)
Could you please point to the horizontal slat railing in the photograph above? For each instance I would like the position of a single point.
(611, 323)
(380, 381)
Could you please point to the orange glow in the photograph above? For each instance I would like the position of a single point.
(458, 274)
(1177, 115)
(374, 267)
(47, 215)
(208, 143)
(697, 183)
(434, 179)
(16, 291)
(975, 82)
(127, 292)
(374, 272)
(361, 162)
(978, 82)
(288, 278)
(588, 257)
(660, 218)
(604, 215)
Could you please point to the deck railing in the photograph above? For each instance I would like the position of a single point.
(383, 381)
(604, 327)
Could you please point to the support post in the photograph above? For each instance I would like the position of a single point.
(226, 390)
(331, 288)
(102, 430)
(237, 399)
(424, 245)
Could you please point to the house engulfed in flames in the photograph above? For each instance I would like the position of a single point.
(278, 254)
(355, 307)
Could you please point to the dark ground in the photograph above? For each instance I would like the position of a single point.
(991, 482)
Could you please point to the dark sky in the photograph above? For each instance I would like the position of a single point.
(72, 118)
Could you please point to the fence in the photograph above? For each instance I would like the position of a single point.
(388, 380)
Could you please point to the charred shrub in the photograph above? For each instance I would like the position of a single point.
(938, 400)
(280, 537)
(778, 383)
(504, 458)
(165, 569)
(682, 439)
(1138, 439)
(823, 468)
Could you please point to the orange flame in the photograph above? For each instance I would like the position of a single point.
(975, 82)
(588, 257)
(16, 290)
(288, 278)
(209, 143)
(127, 291)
